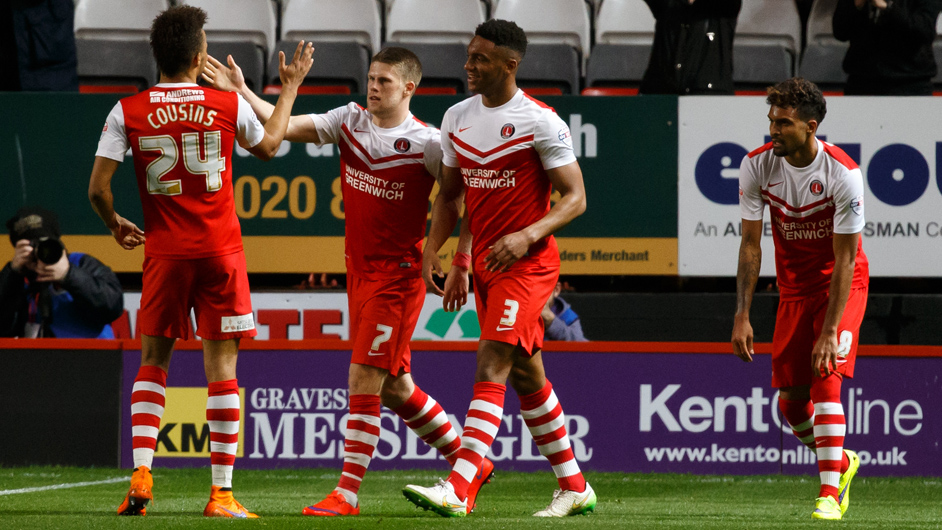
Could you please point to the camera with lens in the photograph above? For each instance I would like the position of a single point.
(47, 249)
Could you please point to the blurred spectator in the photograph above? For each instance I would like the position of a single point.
(46, 291)
(693, 47)
(37, 45)
(321, 280)
(890, 45)
(560, 322)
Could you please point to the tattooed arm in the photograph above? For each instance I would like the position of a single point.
(750, 259)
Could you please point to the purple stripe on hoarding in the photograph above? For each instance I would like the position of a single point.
(627, 412)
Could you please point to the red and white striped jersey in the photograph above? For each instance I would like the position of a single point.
(503, 154)
(181, 137)
(808, 205)
(387, 177)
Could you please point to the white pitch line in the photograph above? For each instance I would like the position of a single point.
(63, 486)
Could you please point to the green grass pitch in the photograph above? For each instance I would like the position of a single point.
(625, 501)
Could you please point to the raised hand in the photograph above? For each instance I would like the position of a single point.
(221, 77)
(293, 74)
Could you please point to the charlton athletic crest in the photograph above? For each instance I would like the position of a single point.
(507, 130)
(402, 145)
(816, 188)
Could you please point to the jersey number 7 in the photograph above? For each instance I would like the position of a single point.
(211, 165)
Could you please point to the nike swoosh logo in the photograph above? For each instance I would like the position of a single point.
(234, 514)
(375, 353)
(776, 184)
(500, 328)
(358, 130)
(464, 129)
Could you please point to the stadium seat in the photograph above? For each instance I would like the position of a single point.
(624, 33)
(115, 66)
(442, 66)
(550, 66)
(823, 55)
(332, 21)
(249, 58)
(434, 21)
(625, 22)
(617, 65)
(116, 19)
(343, 64)
(240, 20)
(767, 43)
(551, 22)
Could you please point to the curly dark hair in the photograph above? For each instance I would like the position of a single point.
(504, 33)
(403, 60)
(799, 94)
(176, 35)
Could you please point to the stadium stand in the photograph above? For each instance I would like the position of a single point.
(767, 44)
(442, 66)
(434, 21)
(239, 20)
(331, 21)
(116, 19)
(823, 55)
(439, 34)
(249, 58)
(624, 32)
(552, 25)
(111, 38)
(339, 68)
(114, 66)
(345, 35)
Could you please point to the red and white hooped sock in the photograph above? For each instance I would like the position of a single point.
(223, 414)
(800, 417)
(428, 421)
(480, 428)
(360, 438)
(547, 424)
(829, 430)
(148, 398)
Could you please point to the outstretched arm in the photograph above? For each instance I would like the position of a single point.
(230, 79)
(291, 78)
(750, 261)
(567, 180)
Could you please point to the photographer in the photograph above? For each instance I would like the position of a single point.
(560, 322)
(46, 291)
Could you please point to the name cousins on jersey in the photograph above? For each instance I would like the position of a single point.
(367, 183)
(180, 112)
(488, 178)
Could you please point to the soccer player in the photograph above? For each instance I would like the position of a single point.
(814, 192)
(505, 151)
(389, 161)
(181, 138)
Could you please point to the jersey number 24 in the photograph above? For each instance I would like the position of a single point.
(211, 165)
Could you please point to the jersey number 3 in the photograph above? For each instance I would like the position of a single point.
(211, 165)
